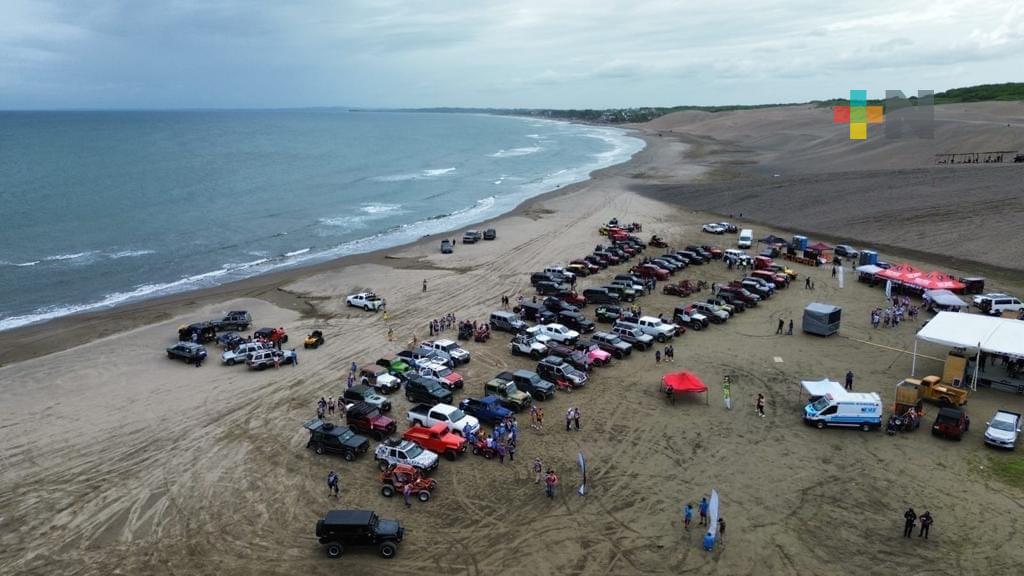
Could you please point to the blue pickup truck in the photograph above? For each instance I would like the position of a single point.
(487, 409)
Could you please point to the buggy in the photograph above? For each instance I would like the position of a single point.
(465, 330)
(482, 447)
(657, 242)
(396, 477)
(482, 334)
(274, 335)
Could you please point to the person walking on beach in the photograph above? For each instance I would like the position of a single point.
(330, 405)
(807, 283)
(703, 509)
(540, 418)
(926, 523)
(512, 450)
(386, 316)
(538, 469)
(849, 380)
(407, 495)
(550, 482)
(657, 356)
(391, 334)
(424, 284)
(687, 516)
(760, 405)
(332, 483)
(721, 530)
(576, 418)
(782, 324)
(789, 332)
(351, 380)
(670, 353)
(568, 418)
(909, 517)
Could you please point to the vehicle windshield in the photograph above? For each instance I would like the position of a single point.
(510, 389)
(346, 435)
(413, 451)
(1003, 425)
(820, 404)
(444, 372)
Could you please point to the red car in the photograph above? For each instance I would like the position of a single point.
(779, 280)
(437, 439)
(715, 251)
(650, 271)
(574, 298)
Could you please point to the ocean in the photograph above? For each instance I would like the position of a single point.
(102, 208)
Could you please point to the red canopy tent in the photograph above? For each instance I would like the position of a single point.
(899, 273)
(938, 281)
(819, 246)
(676, 382)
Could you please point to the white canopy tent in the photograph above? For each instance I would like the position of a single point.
(973, 332)
(869, 269)
(818, 388)
(944, 298)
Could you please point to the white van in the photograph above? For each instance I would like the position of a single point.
(852, 409)
(746, 238)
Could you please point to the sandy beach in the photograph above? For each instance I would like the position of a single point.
(117, 460)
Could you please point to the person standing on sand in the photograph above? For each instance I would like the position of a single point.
(789, 332)
(424, 284)
(550, 482)
(576, 418)
(391, 334)
(703, 509)
(782, 324)
(568, 418)
(540, 418)
(687, 516)
(657, 356)
(721, 530)
(538, 469)
(760, 405)
(909, 517)
(407, 495)
(332, 483)
(926, 523)
(849, 380)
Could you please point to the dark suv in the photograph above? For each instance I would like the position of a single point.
(535, 312)
(327, 438)
(340, 528)
(421, 389)
(187, 351)
(530, 383)
(554, 369)
(576, 321)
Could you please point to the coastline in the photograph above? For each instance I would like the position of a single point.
(65, 332)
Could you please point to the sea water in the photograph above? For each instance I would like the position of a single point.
(102, 208)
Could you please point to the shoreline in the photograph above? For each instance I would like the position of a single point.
(66, 332)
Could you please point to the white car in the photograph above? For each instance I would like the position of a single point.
(238, 355)
(457, 353)
(365, 300)
(393, 452)
(1003, 429)
(713, 228)
(556, 332)
(661, 331)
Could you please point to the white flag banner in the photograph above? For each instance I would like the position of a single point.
(583, 473)
(841, 276)
(888, 289)
(713, 514)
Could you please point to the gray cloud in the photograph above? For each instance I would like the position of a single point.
(569, 53)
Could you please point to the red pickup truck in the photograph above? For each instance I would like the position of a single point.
(650, 271)
(437, 439)
(367, 419)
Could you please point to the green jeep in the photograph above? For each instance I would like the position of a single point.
(510, 397)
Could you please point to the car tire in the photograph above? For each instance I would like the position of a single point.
(820, 424)
(319, 449)
(423, 496)
(865, 427)
(476, 451)
(419, 423)
(383, 465)
(535, 355)
(349, 456)
(335, 550)
(696, 326)
(231, 362)
(387, 490)
(661, 338)
(388, 550)
(366, 307)
(450, 455)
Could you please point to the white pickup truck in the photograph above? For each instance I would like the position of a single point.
(455, 419)
(1003, 429)
(365, 300)
(556, 332)
(457, 353)
(652, 325)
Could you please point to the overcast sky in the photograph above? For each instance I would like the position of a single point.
(508, 53)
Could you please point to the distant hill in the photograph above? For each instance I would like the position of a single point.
(1010, 91)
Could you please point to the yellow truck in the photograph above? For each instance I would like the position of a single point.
(911, 391)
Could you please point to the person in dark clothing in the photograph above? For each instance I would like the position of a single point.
(926, 523)
(789, 332)
(782, 324)
(721, 530)
(424, 284)
(908, 527)
(332, 484)
(849, 380)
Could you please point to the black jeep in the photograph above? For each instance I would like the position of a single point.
(340, 528)
(327, 438)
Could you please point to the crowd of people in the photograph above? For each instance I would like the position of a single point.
(891, 316)
(439, 325)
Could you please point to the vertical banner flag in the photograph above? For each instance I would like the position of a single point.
(841, 276)
(888, 289)
(713, 513)
(583, 473)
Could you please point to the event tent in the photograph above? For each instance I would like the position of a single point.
(937, 281)
(973, 332)
(899, 273)
(869, 269)
(944, 299)
(819, 388)
(819, 246)
(676, 382)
